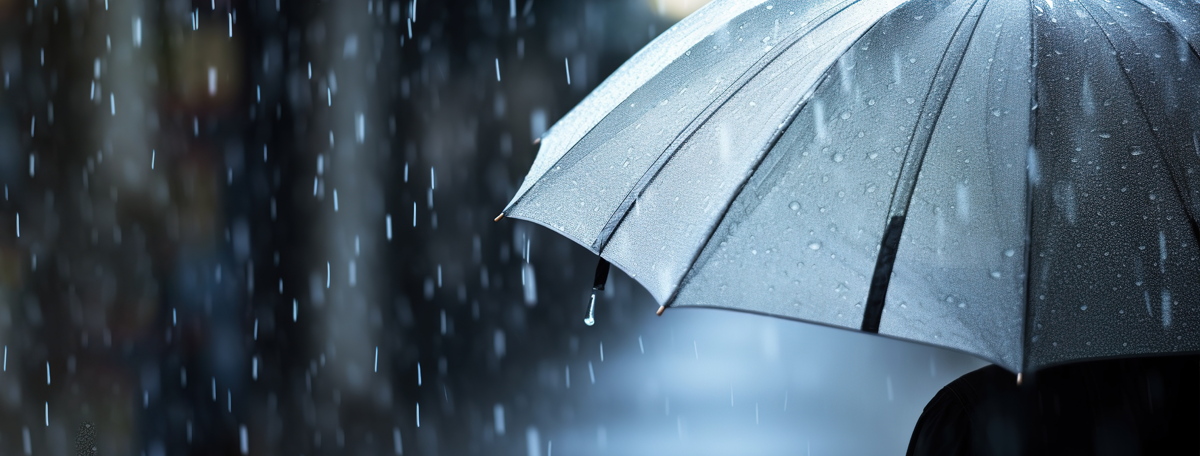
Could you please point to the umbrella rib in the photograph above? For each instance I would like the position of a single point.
(762, 157)
(1172, 164)
(906, 183)
(1192, 45)
(630, 198)
(1033, 103)
(537, 141)
(936, 97)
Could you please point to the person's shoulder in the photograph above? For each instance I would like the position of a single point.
(969, 390)
(945, 426)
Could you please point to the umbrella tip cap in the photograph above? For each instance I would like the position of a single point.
(498, 217)
(537, 141)
(660, 310)
(1019, 379)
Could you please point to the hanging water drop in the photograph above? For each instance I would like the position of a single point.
(591, 315)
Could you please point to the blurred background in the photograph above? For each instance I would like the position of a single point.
(265, 227)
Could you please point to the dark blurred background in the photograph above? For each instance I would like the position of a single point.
(265, 227)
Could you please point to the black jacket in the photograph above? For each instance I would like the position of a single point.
(1146, 406)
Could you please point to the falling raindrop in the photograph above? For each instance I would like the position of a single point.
(529, 285)
(244, 436)
(819, 121)
(1166, 308)
(498, 418)
(397, 444)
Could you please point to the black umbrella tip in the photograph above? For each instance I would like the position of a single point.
(498, 217)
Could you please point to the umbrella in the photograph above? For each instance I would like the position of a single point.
(1014, 180)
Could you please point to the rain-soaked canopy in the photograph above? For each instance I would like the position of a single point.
(1012, 179)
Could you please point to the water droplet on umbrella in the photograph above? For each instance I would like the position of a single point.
(815, 246)
(1009, 252)
(795, 205)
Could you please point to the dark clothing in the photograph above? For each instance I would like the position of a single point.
(1146, 406)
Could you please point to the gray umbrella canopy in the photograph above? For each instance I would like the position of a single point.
(1015, 180)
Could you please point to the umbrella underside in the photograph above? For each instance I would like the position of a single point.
(1013, 180)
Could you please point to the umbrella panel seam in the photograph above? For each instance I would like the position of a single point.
(1172, 168)
(631, 197)
(906, 182)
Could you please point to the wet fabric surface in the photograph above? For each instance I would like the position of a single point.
(1043, 157)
